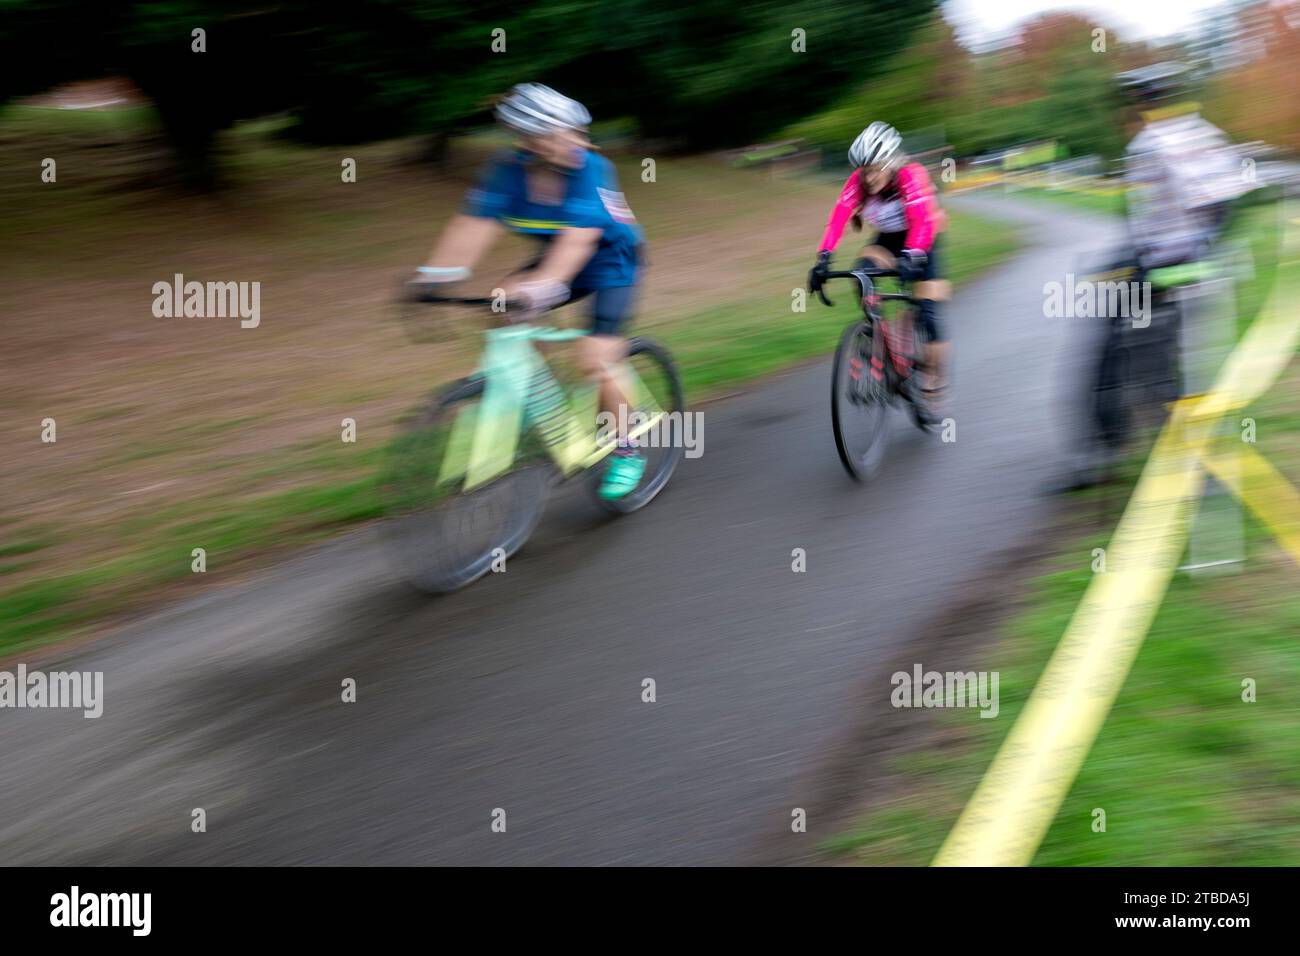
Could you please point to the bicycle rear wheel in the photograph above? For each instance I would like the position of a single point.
(922, 407)
(1112, 395)
(442, 536)
(859, 403)
(663, 447)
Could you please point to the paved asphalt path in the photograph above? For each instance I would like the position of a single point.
(524, 691)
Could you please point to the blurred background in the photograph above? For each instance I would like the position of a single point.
(226, 165)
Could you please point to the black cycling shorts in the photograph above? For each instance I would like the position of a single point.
(611, 309)
(893, 241)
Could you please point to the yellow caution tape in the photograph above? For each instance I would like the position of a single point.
(1272, 498)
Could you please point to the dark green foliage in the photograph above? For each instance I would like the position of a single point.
(701, 73)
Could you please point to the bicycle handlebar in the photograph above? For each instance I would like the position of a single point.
(416, 294)
(862, 275)
(514, 311)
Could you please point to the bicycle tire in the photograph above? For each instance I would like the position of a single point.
(426, 524)
(1112, 398)
(847, 396)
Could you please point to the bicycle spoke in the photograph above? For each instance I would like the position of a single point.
(859, 403)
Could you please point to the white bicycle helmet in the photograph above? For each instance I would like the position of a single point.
(534, 109)
(878, 143)
(1159, 81)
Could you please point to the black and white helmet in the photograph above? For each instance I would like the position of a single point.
(878, 143)
(534, 109)
(1159, 81)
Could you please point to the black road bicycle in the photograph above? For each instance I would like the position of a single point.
(876, 366)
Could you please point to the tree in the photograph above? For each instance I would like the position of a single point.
(1254, 98)
(703, 73)
(929, 84)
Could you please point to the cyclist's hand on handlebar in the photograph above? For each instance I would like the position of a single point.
(540, 294)
(817, 275)
(910, 264)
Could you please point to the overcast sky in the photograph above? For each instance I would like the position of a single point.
(980, 21)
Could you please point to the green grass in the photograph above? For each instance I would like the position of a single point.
(46, 609)
(35, 123)
(1111, 204)
(1256, 230)
(23, 547)
(1187, 773)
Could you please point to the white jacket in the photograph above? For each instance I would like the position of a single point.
(1178, 168)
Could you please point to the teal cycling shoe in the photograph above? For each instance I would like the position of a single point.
(623, 474)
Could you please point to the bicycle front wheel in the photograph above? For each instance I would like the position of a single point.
(859, 403)
(442, 536)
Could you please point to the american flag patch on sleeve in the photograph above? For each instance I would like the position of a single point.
(616, 205)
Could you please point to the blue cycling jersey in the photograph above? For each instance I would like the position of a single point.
(591, 201)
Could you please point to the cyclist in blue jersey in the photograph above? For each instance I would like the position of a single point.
(556, 188)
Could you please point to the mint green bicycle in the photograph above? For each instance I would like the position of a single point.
(466, 480)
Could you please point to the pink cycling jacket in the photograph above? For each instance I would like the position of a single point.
(910, 205)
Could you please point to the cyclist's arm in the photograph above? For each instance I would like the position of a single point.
(464, 241)
(471, 233)
(567, 254)
(924, 217)
(849, 201)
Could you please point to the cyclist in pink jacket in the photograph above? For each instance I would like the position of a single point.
(895, 196)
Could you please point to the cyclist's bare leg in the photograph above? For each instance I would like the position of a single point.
(601, 358)
(882, 257)
(937, 354)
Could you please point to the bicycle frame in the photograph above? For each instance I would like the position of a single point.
(899, 345)
(519, 391)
